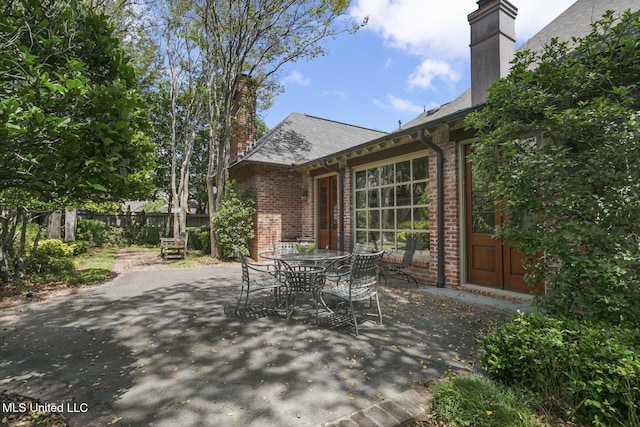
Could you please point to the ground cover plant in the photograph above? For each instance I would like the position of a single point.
(475, 400)
(586, 371)
(95, 265)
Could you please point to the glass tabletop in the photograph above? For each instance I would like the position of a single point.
(314, 255)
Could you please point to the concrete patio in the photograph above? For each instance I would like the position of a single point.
(165, 348)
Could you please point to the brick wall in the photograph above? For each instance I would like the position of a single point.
(285, 214)
(281, 212)
(451, 213)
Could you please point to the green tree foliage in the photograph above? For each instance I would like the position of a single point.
(246, 43)
(71, 118)
(234, 222)
(572, 198)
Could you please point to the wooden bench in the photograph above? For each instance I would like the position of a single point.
(172, 248)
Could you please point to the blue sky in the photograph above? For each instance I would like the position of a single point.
(412, 55)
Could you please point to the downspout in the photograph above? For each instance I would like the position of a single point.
(440, 282)
(340, 173)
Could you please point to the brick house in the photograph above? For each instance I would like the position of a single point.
(343, 184)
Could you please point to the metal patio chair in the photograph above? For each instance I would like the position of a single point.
(336, 270)
(256, 277)
(358, 283)
(285, 247)
(397, 269)
(302, 278)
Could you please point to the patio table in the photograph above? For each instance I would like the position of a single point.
(316, 256)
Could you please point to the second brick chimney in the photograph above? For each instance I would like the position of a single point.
(244, 132)
(493, 38)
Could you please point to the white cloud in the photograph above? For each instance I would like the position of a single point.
(296, 77)
(398, 105)
(404, 105)
(437, 32)
(419, 27)
(430, 69)
(435, 27)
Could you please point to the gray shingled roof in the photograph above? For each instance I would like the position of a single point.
(574, 22)
(301, 138)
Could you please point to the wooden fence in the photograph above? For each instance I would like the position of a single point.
(138, 218)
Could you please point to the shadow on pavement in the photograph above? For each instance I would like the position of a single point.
(166, 347)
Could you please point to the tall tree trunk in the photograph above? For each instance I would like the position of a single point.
(211, 204)
(211, 183)
(5, 243)
(19, 261)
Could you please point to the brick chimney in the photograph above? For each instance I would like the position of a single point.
(245, 124)
(493, 38)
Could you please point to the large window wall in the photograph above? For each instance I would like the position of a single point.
(392, 203)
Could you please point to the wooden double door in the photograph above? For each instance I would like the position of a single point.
(490, 261)
(327, 212)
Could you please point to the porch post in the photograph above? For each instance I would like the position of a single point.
(441, 280)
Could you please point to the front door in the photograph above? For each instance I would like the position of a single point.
(327, 213)
(490, 261)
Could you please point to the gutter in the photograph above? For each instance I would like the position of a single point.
(440, 282)
(341, 186)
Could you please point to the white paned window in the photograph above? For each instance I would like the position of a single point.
(392, 203)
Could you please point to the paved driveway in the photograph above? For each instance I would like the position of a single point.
(162, 347)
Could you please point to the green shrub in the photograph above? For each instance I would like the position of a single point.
(233, 223)
(78, 247)
(199, 239)
(115, 237)
(590, 370)
(53, 256)
(92, 231)
(147, 235)
(475, 400)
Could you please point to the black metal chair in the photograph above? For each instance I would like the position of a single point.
(397, 269)
(335, 270)
(267, 279)
(359, 283)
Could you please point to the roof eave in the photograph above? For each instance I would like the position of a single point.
(391, 137)
(245, 162)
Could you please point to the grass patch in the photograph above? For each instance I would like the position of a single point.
(93, 266)
(475, 400)
(194, 259)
